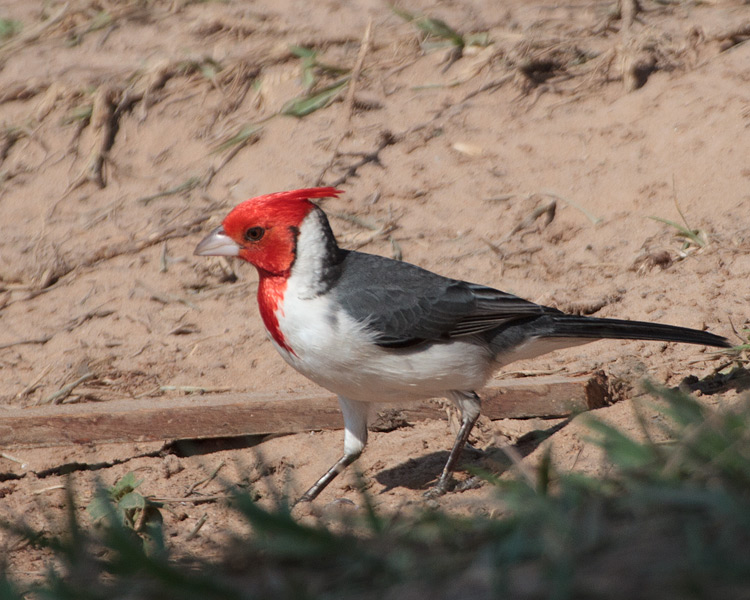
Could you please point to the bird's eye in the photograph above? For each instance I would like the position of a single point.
(254, 234)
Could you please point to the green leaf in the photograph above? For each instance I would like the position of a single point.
(99, 507)
(125, 485)
(101, 20)
(304, 105)
(404, 14)
(9, 28)
(302, 52)
(682, 407)
(439, 29)
(481, 39)
(625, 452)
(544, 472)
(185, 186)
(434, 27)
(79, 113)
(132, 501)
(208, 71)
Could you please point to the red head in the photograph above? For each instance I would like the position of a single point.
(263, 230)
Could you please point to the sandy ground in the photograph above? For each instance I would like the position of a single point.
(129, 129)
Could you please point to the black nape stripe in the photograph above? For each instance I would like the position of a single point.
(294, 232)
(332, 255)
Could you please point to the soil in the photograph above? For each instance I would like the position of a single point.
(129, 129)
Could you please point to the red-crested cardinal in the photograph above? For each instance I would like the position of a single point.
(373, 329)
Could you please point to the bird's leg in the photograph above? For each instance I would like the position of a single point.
(469, 404)
(328, 477)
(355, 438)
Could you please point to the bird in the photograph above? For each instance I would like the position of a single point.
(375, 329)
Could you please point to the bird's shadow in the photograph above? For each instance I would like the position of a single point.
(421, 472)
(738, 379)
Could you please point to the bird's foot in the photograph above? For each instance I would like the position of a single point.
(472, 483)
(302, 509)
(303, 499)
(444, 485)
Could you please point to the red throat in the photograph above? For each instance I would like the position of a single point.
(270, 294)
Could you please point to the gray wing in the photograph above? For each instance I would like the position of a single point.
(404, 304)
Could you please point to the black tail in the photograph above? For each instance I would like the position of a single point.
(574, 326)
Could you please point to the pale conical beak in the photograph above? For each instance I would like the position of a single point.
(217, 243)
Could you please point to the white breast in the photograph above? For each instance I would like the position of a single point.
(337, 352)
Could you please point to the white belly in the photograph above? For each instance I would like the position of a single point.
(334, 351)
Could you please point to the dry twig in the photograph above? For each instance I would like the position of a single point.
(205, 480)
(191, 500)
(33, 34)
(41, 340)
(364, 47)
(197, 527)
(65, 391)
(349, 101)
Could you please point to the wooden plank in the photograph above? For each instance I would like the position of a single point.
(544, 396)
(224, 415)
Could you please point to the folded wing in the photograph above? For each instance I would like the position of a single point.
(404, 305)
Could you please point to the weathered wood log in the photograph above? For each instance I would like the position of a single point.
(224, 415)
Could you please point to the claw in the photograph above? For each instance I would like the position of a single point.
(439, 489)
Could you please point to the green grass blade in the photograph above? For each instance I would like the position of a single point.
(305, 105)
(625, 452)
(9, 28)
(241, 137)
(692, 235)
(432, 27)
(439, 29)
